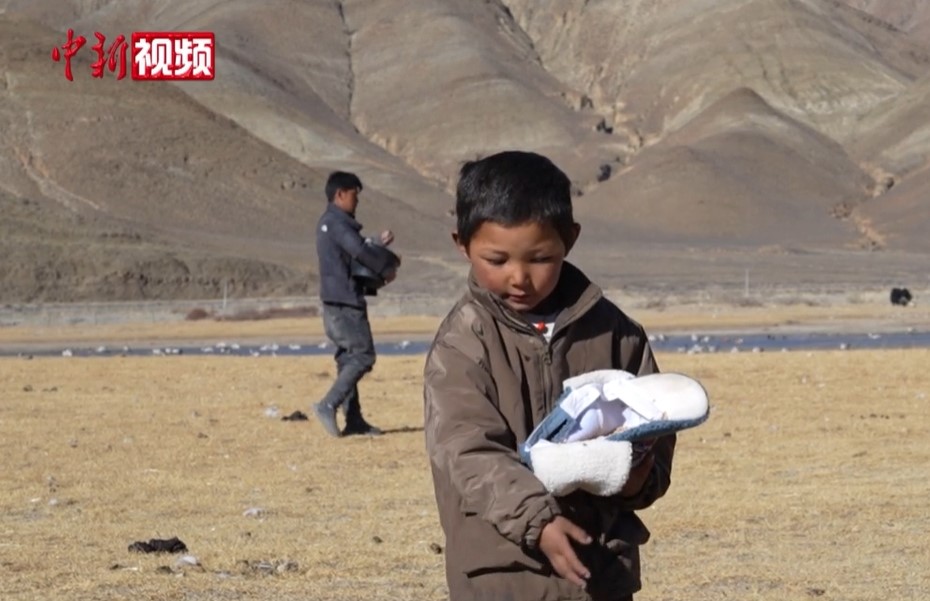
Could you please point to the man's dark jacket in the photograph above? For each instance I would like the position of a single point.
(338, 242)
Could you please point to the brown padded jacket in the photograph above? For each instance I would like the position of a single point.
(490, 378)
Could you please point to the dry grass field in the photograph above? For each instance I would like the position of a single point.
(821, 314)
(809, 481)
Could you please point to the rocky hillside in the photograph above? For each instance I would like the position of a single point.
(704, 138)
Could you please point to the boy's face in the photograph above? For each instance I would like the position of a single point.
(521, 263)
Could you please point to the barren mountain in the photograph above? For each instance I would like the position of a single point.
(900, 216)
(895, 135)
(652, 65)
(741, 131)
(734, 157)
(909, 16)
(153, 161)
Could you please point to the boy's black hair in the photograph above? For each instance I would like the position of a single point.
(341, 180)
(512, 188)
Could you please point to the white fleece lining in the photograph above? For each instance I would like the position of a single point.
(631, 394)
(600, 467)
(579, 399)
(669, 396)
(601, 402)
(600, 417)
(600, 376)
(613, 399)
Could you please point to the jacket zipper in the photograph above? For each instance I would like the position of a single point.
(546, 355)
(547, 378)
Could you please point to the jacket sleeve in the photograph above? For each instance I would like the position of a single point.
(470, 445)
(353, 244)
(635, 355)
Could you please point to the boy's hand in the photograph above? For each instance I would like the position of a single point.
(638, 476)
(554, 541)
(387, 236)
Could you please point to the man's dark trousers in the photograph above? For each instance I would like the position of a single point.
(348, 328)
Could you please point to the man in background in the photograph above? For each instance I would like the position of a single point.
(339, 243)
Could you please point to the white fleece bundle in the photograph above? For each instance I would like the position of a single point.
(609, 410)
(599, 466)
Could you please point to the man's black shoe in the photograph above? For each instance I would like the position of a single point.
(364, 429)
(327, 417)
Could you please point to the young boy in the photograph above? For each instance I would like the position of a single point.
(528, 321)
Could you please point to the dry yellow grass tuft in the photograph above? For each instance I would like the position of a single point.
(808, 480)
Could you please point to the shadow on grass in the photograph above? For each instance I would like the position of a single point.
(404, 430)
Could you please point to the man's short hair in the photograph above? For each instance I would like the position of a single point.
(512, 188)
(341, 180)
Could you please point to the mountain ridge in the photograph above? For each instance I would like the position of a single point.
(731, 127)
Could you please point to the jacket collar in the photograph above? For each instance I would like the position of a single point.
(577, 292)
(340, 214)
